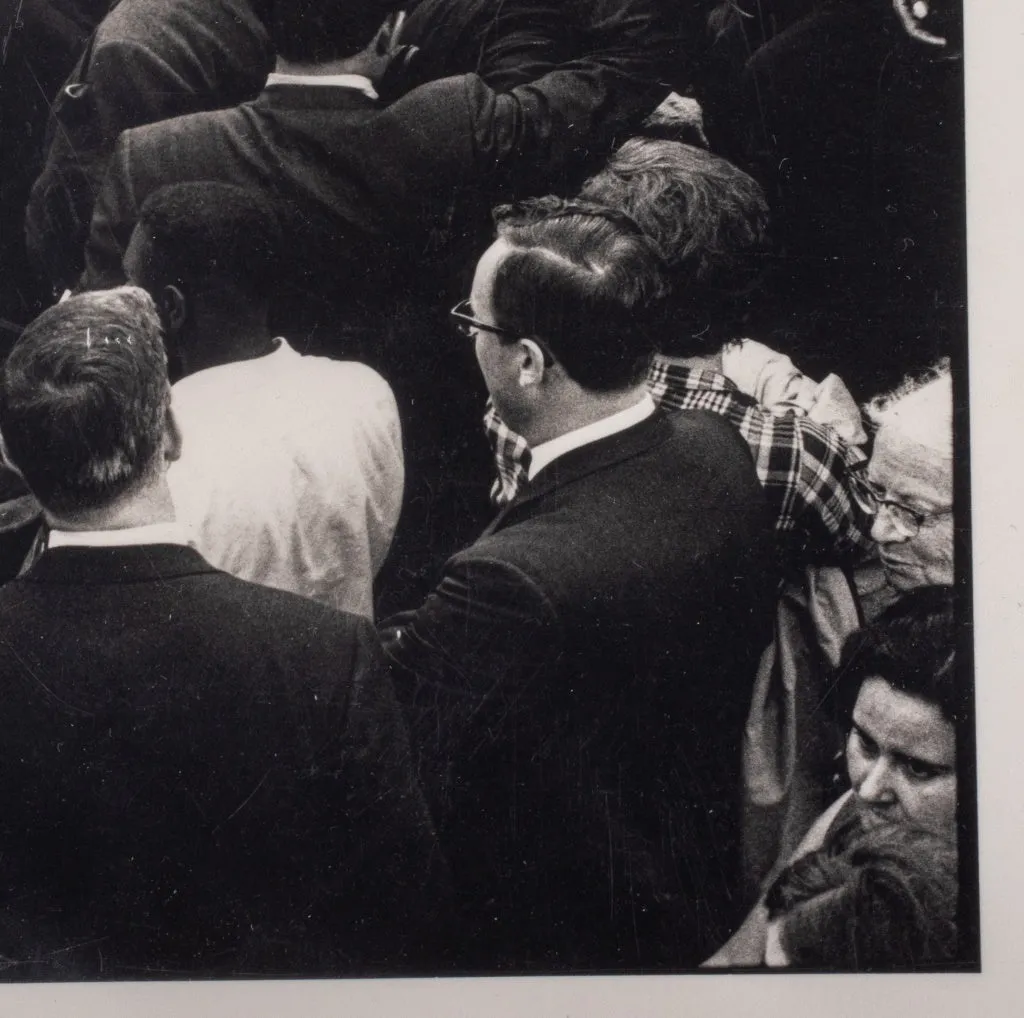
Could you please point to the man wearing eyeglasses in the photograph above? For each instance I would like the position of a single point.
(576, 684)
(910, 478)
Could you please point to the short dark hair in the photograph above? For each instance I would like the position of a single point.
(84, 395)
(582, 279)
(317, 31)
(912, 646)
(201, 233)
(886, 900)
(709, 222)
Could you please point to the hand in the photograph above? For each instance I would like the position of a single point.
(386, 62)
(678, 118)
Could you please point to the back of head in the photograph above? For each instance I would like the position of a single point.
(921, 408)
(84, 396)
(709, 221)
(886, 900)
(583, 280)
(319, 31)
(203, 236)
(912, 646)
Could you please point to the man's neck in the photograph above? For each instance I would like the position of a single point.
(224, 338)
(139, 508)
(579, 412)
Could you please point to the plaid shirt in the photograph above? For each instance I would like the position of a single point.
(811, 477)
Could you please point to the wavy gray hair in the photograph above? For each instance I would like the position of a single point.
(84, 397)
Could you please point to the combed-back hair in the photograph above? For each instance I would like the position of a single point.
(583, 280)
(84, 397)
(204, 233)
(318, 31)
(886, 900)
(912, 646)
(709, 222)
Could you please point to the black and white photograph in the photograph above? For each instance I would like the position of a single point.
(487, 490)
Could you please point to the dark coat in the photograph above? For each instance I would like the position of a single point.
(607, 55)
(201, 776)
(147, 61)
(576, 687)
(372, 191)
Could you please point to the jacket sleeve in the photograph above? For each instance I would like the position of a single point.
(829, 500)
(515, 42)
(580, 107)
(561, 82)
(399, 873)
(113, 220)
(507, 44)
(377, 885)
(466, 662)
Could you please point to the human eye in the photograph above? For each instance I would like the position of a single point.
(905, 516)
(921, 770)
(864, 743)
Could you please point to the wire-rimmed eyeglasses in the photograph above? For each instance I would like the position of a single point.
(907, 520)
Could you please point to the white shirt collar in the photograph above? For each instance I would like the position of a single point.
(356, 81)
(154, 533)
(546, 452)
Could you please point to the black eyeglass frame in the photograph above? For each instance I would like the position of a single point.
(464, 322)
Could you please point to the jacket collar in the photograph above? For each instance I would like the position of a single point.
(127, 564)
(315, 97)
(587, 459)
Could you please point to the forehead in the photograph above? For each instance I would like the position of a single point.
(908, 469)
(483, 277)
(904, 724)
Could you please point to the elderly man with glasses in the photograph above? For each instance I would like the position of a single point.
(910, 479)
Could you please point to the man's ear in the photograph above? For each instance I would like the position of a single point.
(6, 461)
(172, 437)
(532, 364)
(173, 307)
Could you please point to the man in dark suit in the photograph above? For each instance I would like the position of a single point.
(577, 683)
(372, 191)
(202, 776)
(151, 60)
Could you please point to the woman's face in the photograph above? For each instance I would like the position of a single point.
(901, 757)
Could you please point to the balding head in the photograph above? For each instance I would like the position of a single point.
(921, 409)
(911, 470)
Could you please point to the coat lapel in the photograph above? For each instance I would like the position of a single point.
(578, 463)
(131, 564)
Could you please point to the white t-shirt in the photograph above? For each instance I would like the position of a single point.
(291, 473)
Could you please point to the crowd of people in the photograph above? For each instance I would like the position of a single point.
(577, 628)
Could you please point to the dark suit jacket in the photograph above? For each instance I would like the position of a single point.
(373, 191)
(576, 687)
(201, 776)
(623, 43)
(605, 61)
(147, 61)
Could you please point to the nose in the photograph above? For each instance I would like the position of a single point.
(884, 530)
(876, 787)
